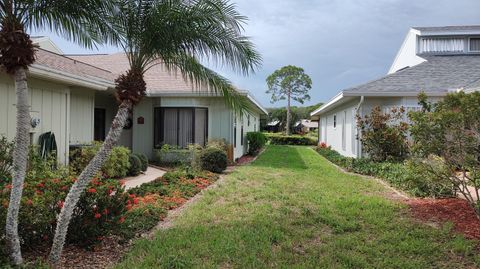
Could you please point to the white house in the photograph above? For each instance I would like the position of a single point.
(73, 97)
(435, 60)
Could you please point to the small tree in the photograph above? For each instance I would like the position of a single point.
(384, 134)
(289, 82)
(446, 141)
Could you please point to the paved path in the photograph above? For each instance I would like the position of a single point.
(150, 175)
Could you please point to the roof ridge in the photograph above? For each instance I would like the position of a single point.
(74, 60)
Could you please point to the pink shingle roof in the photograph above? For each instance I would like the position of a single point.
(72, 66)
(158, 78)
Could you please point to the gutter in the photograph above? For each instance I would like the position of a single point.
(44, 72)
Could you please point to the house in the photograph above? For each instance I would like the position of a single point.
(273, 126)
(305, 126)
(73, 97)
(435, 60)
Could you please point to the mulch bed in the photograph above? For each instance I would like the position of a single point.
(452, 210)
(246, 159)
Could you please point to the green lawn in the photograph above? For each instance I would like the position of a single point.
(292, 208)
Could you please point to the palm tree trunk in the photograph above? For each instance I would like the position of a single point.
(85, 177)
(20, 158)
(289, 115)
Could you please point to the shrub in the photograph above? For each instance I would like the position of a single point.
(135, 165)
(256, 141)
(446, 142)
(279, 139)
(6, 158)
(143, 158)
(213, 160)
(116, 166)
(398, 174)
(173, 156)
(384, 134)
(97, 213)
(218, 143)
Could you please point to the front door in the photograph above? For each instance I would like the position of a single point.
(99, 124)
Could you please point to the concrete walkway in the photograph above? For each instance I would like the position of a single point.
(150, 175)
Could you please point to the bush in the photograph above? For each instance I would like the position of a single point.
(218, 143)
(116, 166)
(279, 139)
(98, 212)
(256, 141)
(384, 134)
(173, 156)
(213, 160)
(398, 174)
(135, 165)
(6, 158)
(143, 158)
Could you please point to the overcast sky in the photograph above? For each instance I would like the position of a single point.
(339, 43)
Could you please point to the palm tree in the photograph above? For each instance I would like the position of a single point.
(76, 20)
(177, 34)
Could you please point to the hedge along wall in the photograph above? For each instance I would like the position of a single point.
(279, 139)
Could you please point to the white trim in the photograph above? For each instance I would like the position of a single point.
(335, 99)
(41, 71)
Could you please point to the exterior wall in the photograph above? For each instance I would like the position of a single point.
(220, 121)
(342, 137)
(108, 102)
(82, 103)
(49, 102)
(407, 55)
(352, 148)
(252, 126)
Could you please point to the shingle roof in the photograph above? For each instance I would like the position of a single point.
(437, 74)
(72, 66)
(449, 28)
(158, 78)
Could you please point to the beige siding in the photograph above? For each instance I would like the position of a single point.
(48, 102)
(81, 116)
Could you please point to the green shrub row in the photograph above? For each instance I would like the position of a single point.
(256, 141)
(138, 163)
(279, 139)
(400, 175)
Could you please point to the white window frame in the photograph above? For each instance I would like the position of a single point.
(469, 48)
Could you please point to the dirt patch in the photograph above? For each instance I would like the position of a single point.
(452, 210)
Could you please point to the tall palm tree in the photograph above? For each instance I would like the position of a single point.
(77, 20)
(177, 34)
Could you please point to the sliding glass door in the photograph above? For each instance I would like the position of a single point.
(180, 126)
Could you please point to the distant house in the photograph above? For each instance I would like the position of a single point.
(73, 97)
(273, 126)
(305, 126)
(435, 60)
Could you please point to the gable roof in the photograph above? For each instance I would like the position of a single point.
(158, 78)
(437, 76)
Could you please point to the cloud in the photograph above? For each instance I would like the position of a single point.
(339, 43)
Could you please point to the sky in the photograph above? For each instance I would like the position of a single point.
(339, 43)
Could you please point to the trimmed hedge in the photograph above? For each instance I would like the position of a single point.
(213, 160)
(135, 165)
(280, 139)
(144, 159)
(256, 141)
(400, 175)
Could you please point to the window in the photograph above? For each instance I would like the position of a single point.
(235, 131)
(241, 134)
(432, 45)
(344, 133)
(334, 121)
(248, 120)
(475, 44)
(180, 126)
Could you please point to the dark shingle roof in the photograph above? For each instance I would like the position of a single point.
(449, 28)
(436, 75)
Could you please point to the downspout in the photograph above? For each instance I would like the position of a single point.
(357, 135)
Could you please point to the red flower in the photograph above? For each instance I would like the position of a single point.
(60, 204)
(131, 195)
(135, 201)
(8, 186)
(121, 220)
(29, 202)
(56, 180)
(92, 190)
(41, 185)
(129, 202)
(64, 188)
(109, 192)
(98, 215)
(38, 192)
(129, 206)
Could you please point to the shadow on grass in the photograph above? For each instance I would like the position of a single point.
(286, 157)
